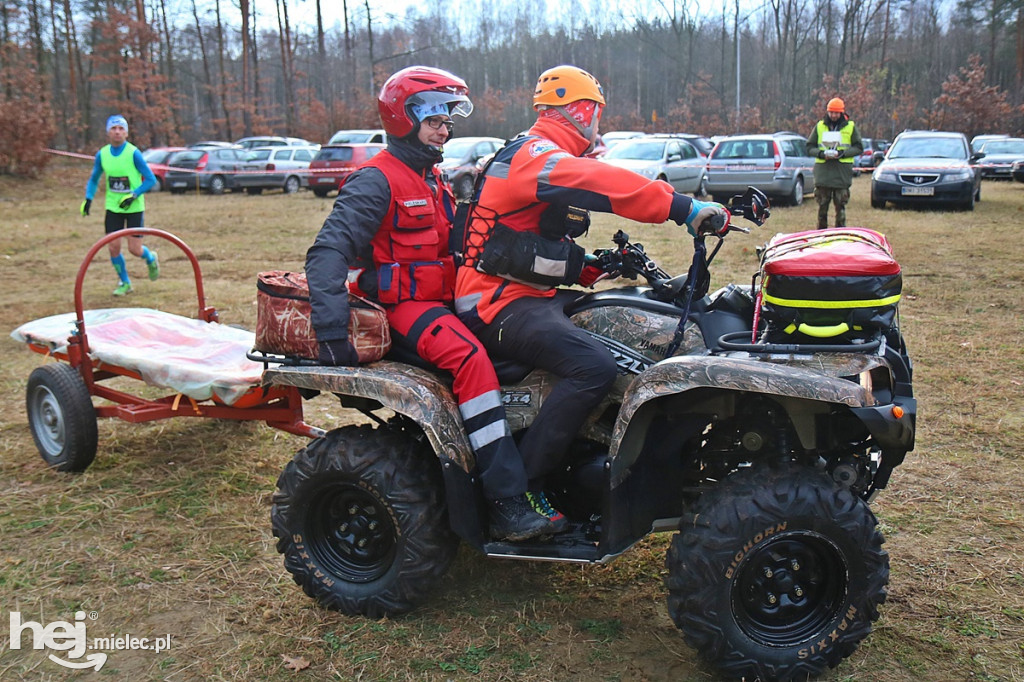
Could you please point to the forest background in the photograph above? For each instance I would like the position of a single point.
(185, 70)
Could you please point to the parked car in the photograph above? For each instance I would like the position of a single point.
(978, 141)
(214, 170)
(777, 164)
(275, 168)
(866, 159)
(377, 136)
(272, 141)
(671, 159)
(999, 156)
(703, 144)
(333, 163)
(213, 144)
(460, 157)
(156, 158)
(927, 168)
(613, 138)
(1017, 171)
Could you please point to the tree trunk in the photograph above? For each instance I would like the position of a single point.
(246, 111)
(208, 87)
(223, 73)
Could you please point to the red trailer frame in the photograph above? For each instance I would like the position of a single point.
(278, 406)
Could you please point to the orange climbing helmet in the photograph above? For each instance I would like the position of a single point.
(561, 85)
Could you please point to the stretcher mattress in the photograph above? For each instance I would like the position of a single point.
(198, 359)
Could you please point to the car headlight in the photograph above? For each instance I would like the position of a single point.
(958, 176)
(883, 176)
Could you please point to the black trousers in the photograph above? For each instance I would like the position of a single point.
(536, 332)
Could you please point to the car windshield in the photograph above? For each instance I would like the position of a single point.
(342, 138)
(458, 148)
(155, 155)
(186, 156)
(928, 148)
(1004, 147)
(637, 151)
(744, 149)
(334, 154)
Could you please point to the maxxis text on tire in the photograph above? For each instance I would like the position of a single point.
(777, 574)
(361, 520)
(61, 417)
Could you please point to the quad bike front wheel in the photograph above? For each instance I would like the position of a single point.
(62, 417)
(778, 574)
(361, 520)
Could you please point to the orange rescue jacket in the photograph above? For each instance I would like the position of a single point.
(545, 170)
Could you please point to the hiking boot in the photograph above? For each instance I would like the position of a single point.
(123, 288)
(514, 519)
(154, 267)
(556, 519)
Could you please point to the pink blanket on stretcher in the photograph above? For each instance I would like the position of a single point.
(195, 358)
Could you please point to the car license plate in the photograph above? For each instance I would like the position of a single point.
(918, 191)
(178, 184)
(741, 167)
(322, 180)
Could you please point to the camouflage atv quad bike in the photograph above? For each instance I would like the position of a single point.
(761, 457)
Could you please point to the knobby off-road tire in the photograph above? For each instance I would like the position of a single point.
(361, 520)
(61, 416)
(778, 575)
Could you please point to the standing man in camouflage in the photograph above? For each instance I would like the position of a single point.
(835, 142)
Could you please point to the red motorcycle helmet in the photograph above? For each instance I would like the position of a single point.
(416, 92)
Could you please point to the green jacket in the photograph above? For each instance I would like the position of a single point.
(834, 173)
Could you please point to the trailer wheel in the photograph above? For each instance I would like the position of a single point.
(361, 520)
(61, 416)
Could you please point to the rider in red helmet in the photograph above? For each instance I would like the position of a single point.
(388, 236)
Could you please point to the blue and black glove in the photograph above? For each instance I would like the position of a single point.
(84, 208)
(126, 202)
(338, 353)
(706, 211)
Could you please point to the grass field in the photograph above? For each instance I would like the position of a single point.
(168, 532)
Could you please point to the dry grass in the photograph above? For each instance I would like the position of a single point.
(168, 531)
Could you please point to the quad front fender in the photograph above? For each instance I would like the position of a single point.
(674, 377)
(416, 393)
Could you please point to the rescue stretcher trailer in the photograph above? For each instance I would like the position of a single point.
(202, 363)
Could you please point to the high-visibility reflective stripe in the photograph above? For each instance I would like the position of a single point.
(830, 305)
(480, 404)
(488, 434)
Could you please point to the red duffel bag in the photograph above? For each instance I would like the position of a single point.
(283, 325)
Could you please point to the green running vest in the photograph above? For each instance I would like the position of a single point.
(122, 178)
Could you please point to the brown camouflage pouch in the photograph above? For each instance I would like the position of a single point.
(283, 325)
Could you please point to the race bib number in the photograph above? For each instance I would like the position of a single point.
(119, 184)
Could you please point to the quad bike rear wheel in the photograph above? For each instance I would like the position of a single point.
(360, 517)
(778, 574)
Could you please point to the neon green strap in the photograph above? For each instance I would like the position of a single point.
(818, 332)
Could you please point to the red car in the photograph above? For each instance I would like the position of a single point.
(156, 157)
(334, 163)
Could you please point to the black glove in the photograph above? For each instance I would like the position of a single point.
(338, 353)
(126, 202)
(85, 207)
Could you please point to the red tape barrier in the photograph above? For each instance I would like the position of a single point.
(292, 171)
